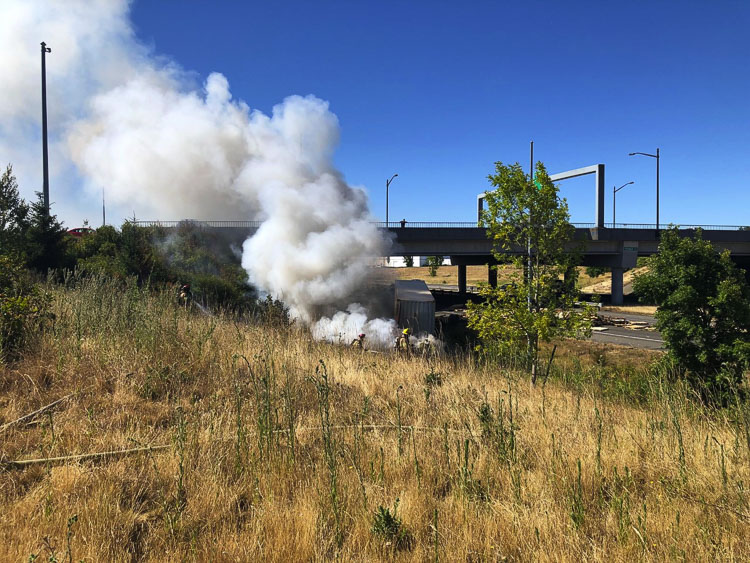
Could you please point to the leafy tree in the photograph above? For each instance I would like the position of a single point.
(703, 311)
(99, 252)
(409, 261)
(14, 214)
(137, 254)
(525, 215)
(433, 263)
(596, 271)
(47, 241)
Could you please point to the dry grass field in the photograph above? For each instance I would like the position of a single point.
(478, 274)
(279, 448)
(445, 274)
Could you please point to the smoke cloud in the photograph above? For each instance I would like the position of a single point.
(136, 126)
(344, 326)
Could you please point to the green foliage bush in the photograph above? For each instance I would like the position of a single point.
(433, 263)
(703, 312)
(596, 271)
(24, 308)
(390, 529)
(156, 257)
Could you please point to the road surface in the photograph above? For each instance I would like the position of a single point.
(637, 338)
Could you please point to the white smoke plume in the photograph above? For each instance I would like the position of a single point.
(345, 326)
(138, 127)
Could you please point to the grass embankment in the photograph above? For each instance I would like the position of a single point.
(445, 274)
(268, 460)
(478, 274)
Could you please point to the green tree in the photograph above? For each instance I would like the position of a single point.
(525, 217)
(137, 254)
(14, 214)
(409, 261)
(596, 271)
(703, 311)
(47, 241)
(433, 263)
(98, 252)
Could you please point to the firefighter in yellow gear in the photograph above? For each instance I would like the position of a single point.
(184, 295)
(359, 342)
(402, 342)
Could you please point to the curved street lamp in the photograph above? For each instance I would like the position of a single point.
(656, 156)
(614, 202)
(387, 185)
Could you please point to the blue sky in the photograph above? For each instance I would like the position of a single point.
(438, 91)
(435, 91)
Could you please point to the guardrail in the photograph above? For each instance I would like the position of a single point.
(426, 225)
(196, 223)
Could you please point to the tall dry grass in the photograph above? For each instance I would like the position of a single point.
(284, 449)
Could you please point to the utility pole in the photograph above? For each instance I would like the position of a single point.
(529, 276)
(45, 160)
(656, 156)
(387, 185)
(614, 200)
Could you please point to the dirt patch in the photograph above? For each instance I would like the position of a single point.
(633, 309)
(605, 285)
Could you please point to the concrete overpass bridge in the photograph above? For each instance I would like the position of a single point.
(614, 246)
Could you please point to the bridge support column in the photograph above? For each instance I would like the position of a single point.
(492, 275)
(617, 294)
(462, 278)
(568, 278)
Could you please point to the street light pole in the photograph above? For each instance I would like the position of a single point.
(387, 185)
(45, 163)
(656, 156)
(614, 200)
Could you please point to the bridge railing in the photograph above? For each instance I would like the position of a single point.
(426, 225)
(464, 225)
(195, 223)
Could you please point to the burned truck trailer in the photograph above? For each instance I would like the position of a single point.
(414, 306)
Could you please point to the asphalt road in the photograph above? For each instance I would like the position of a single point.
(637, 338)
(610, 334)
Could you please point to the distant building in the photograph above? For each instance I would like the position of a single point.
(400, 261)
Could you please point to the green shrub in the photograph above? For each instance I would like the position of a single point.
(388, 527)
(24, 308)
(433, 263)
(703, 314)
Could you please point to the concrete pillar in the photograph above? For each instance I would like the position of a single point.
(617, 294)
(492, 275)
(462, 278)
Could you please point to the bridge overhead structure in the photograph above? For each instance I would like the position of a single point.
(617, 248)
(614, 246)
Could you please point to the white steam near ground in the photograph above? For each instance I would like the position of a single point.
(137, 126)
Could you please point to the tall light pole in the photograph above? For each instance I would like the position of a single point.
(387, 185)
(614, 202)
(656, 156)
(45, 163)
